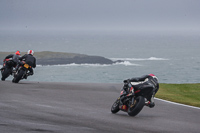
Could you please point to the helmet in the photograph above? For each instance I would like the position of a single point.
(30, 52)
(152, 75)
(17, 53)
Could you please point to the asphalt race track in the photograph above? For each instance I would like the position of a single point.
(31, 107)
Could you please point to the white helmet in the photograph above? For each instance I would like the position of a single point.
(30, 52)
(152, 75)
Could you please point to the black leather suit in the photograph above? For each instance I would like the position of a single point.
(30, 60)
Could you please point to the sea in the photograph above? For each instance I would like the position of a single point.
(173, 57)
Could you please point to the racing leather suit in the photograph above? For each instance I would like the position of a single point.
(30, 60)
(145, 81)
(15, 60)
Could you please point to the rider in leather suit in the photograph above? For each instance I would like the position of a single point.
(30, 60)
(148, 81)
(14, 57)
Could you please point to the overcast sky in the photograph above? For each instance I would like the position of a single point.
(100, 14)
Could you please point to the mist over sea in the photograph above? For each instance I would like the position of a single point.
(173, 57)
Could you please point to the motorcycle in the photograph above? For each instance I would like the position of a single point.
(7, 69)
(21, 73)
(133, 102)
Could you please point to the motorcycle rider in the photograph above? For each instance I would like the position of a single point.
(146, 81)
(30, 60)
(14, 57)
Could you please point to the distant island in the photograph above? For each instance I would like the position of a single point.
(54, 58)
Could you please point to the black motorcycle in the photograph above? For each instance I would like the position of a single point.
(7, 69)
(21, 73)
(133, 102)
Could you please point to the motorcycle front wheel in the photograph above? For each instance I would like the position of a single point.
(115, 106)
(137, 107)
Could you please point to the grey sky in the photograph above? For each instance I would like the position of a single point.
(100, 14)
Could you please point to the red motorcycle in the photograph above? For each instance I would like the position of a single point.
(133, 102)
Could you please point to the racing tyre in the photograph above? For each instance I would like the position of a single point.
(138, 106)
(115, 106)
(5, 74)
(19, 76)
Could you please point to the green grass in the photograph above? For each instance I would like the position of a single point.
(188, 94)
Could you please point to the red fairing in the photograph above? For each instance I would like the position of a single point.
(121, 93)
(4, 61)
(137, 91)
(131, 89)
(124, 108)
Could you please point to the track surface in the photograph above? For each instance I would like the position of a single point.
(31, 107)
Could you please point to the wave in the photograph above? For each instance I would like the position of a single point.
(125, 63)
(74, 64)
(138, 59)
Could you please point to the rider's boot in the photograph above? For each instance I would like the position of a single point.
(150, 103)
(25, 76)
(30, 73)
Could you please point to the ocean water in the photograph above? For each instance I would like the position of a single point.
(173, 58)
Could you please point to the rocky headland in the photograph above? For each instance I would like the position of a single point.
(54, 58)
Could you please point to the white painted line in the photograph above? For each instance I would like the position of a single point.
(178, 103)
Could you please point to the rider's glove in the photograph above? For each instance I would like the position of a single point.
(130, 94)
(125, 87)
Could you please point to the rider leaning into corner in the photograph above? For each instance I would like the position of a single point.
(29, 59)
(146, 81)
(14, 57)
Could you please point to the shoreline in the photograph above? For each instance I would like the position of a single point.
(54, 58)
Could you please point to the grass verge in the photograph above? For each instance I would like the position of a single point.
(188, 94)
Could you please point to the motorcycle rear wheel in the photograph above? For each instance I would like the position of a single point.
(5, 74)
(115, 106)
(19, 76)
(140, 102)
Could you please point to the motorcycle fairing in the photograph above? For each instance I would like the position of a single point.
(146, 91)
